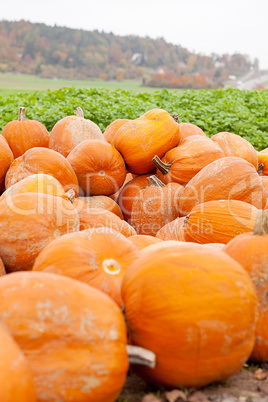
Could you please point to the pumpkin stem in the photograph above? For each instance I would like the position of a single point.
(261, 226)
(164, 167)
(153, 180)
(176, 117)
(71, 195)
(186, 220)
(22, 114)
(138, 355)
(260, 168)
(79, 112)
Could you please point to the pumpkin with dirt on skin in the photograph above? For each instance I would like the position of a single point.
(71, 131)
(46, 161)
(99, 167)
(6, 158)
(154, 206)
(141, 139)
(98, 257)
(205, 303)
(28, 222)
(251, 251)
(23, 134)
(219, 221)
(235, 145)
(111, 130)
(16, 381)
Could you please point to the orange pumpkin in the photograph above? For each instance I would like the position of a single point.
(36, 183)
(251, 251)
(99, 167)
(6, 158)
(103, 202)
(74, 336)
(2, 268)
(155, 206)
(129, 177)
(71, 131)
(167, 244)
(28, 222)
(227, 178)
(22, 134)
(16, 382)
(96, 217)
(234, 145)
(98, 257)
(188, 130)
(128, 193)
(196, 309)
(219, 221)
(112, 129)
(140, 140)
(142, 241)
(172, 230)
(263, 161)
(182, 163)
(43, 160)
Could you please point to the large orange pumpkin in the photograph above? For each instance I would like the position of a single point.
(234, 145)
(219, 221)
(71, 131)
(28, 222)
(16, 382)
(99, 167)
(22, 134)
(103, 202)
(188, 130)
(195, 309)
(155, 206)
(6, 158)
(227, 178)
(97, 217)
(142, 241)
(73, 336)
(182, 163)
(140, 140)
(111, 130)
(263, 161)
(172, 230)
(98, 257)
(251, 251)
(42, 160)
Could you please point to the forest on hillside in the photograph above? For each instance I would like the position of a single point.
(60, 52)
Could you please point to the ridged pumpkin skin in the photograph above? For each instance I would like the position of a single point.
(234, 145)
(22, 135)
(219, 221)
(227, 178)
(103, 202)
(6, 158)
(92, 218)
(128, 178)
(111, 130)
(140, 140)
(73, 336)
(154, 207)
(2, 268)
(187, 159)
(16, 382)
(98, 257)
(188, 130)
(71, 131)
(142, 241)
(195, 309)
(28, 222)
(43, 160)
(36, 183)
(251, 251)
(99, 167)
(129, 192)
(263, 159)
(172, 231)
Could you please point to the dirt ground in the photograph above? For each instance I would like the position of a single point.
(249, 385)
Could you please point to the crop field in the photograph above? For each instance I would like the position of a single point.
(240, 112)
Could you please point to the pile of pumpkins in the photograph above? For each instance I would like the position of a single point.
(145, 244)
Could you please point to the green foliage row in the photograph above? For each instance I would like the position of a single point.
(240, 112)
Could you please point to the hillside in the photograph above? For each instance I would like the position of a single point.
(62, 52)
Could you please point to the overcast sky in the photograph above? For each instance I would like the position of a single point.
(203, 26)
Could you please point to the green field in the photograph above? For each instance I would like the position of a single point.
(14, 83)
